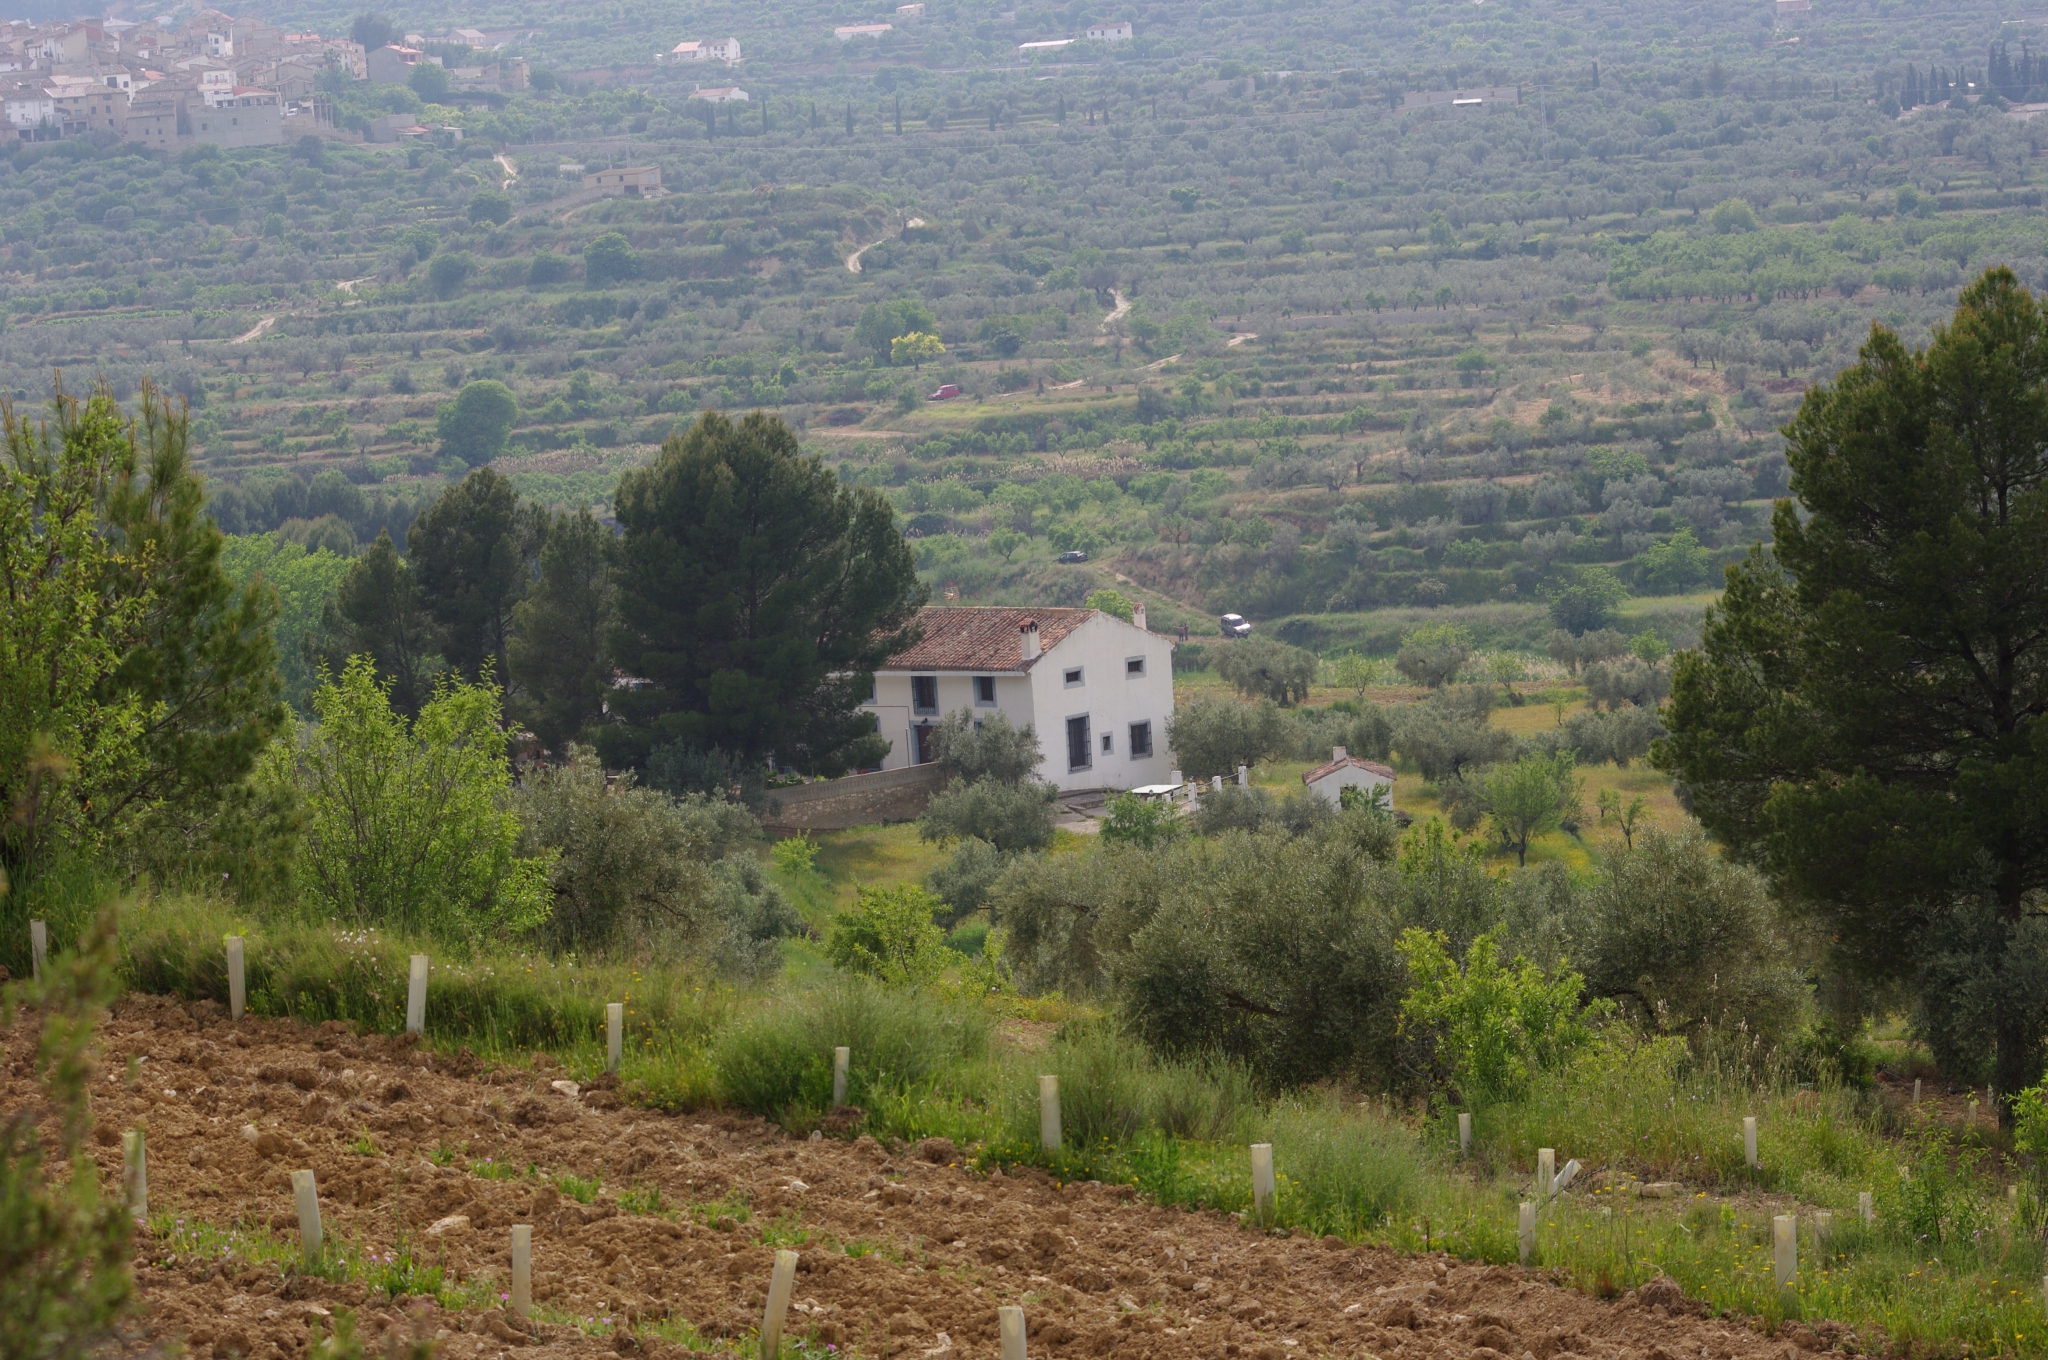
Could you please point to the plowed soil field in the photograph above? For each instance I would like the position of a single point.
(903, 1252)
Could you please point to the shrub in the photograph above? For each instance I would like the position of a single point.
(681, 770)
(1271, 952)
(1113, 602)
(1683, 939)
(1144, 822)
(406, 824)
(1433, 654)
(1263, 667)
(1346, 1173)
(1492, 1026)
(446, 273)
(779, 1062)
(1628, 680)
(1068, 914)
(1446, 735)
(610, 259)
(1215, 736)
(751, 918)
(965, 880)
(490, 205)
(971, 746)
(1009, 816)
(630, 867)
(475, 426)
(890, 934)
(64, 1278)
(1535, 795)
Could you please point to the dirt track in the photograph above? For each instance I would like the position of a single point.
(1099, 1274)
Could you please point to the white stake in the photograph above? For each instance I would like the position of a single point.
(1527, 1231)
(308, 1196)
(2044, 1289)
(1973, 1112)
(1262, 1181)
(779, 1285)
(1216, 783)
(135, 1174)
(1823, 1227)
(38, 947)
(1916, 1090)
(842, 1061)
(614, 1034)
(237, 992)
(1546, 1171)
(1464, 1133)
(1749, 1141)
(522, 1270)
(1010, 1325)
(1785, 1248)
(1565, 1177)
(1863, 1207)
(1244, 777)
(1049, 1112)
(416, 997)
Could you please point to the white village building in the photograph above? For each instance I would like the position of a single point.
(1346, 771)
(1098, 690)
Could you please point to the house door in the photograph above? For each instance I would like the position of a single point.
(922, 735)
(1079, 757)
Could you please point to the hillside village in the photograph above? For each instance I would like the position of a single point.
(212, 79)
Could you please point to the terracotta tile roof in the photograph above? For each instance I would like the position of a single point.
(1348, 762)
(981, 638)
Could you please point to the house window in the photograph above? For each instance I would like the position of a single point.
(865, 691)
(1134, 666)
(1079, 756)
(924, 693)
(1141, 740)
(1073, 678)
(1108, 744)
(985, 690)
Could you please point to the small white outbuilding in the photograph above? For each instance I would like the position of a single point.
(1346, 771)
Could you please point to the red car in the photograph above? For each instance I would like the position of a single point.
(946, 392)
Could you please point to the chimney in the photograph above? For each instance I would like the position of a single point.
(1027, 639)
(1336, 754)
(1138, 616)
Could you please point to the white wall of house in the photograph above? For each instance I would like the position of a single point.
(1108, 695)
(1331, 786)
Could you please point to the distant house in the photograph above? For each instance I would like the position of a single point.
(852, 31)
(631, 179)
(1346, 771)
(915, 11)
(395, 127)
(1480, 99)
(721, 94)
(1120, 31)
(726, 50)
(390, 65)
(469, 37)
(1098, 690)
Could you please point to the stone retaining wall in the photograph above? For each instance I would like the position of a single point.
(857, 800)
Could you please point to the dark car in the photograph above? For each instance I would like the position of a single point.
(1074, 556)
(1234, 626)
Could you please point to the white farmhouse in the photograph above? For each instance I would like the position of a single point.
(1118, 31)
(1346, 771)
(1098, 690)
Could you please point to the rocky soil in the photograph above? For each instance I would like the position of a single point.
(903, 1252)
